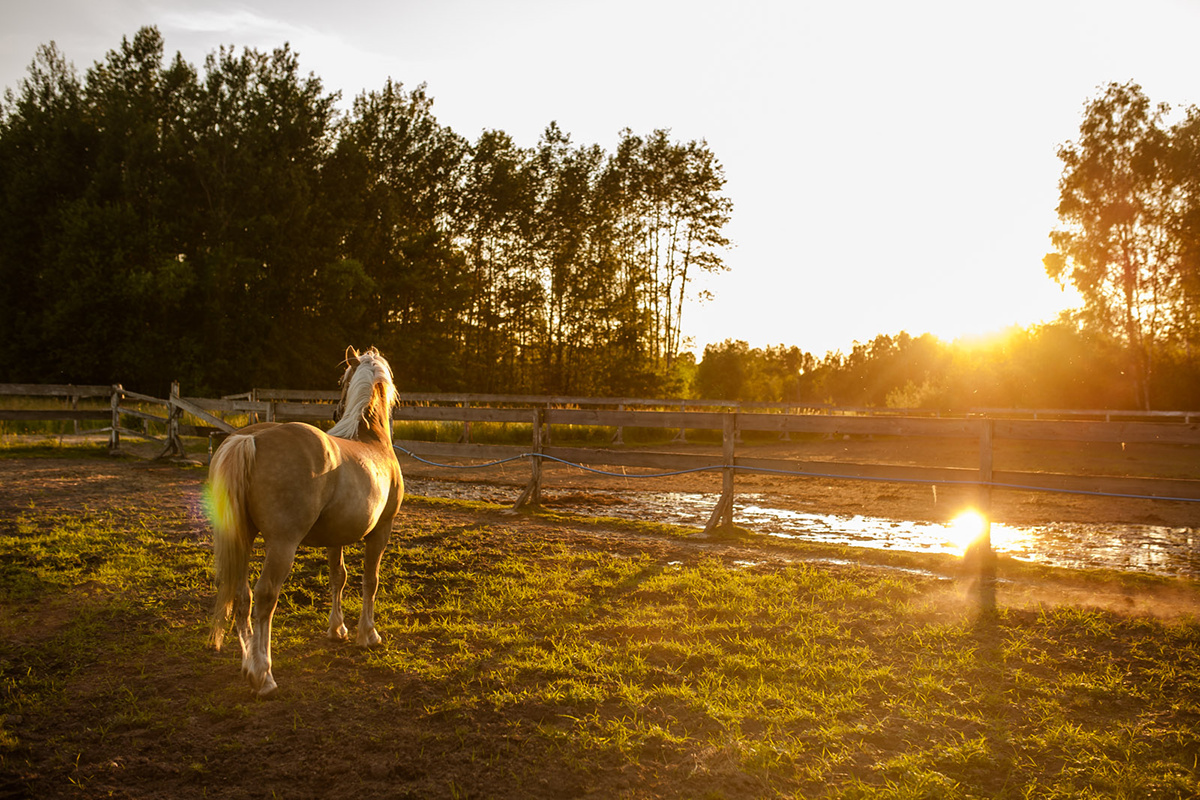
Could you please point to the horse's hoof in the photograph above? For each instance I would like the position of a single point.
(263, 686)
(339, 634)
(371, 639)
(267, 689)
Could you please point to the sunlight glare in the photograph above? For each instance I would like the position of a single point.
(965, 529)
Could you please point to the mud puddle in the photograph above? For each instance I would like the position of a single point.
(1153, 549)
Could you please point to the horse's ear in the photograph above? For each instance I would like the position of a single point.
(351, 356)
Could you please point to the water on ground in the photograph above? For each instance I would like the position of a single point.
(1141, 548)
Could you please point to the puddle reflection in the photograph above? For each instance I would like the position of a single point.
(1143, 548)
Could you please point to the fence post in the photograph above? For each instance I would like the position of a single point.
(465, 438)
(982, 547)
(114, 432)
(75, 407)
(682, 435)
(174, 412)
(533, 492)
(722, 515)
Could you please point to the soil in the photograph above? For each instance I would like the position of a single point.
(256, 749)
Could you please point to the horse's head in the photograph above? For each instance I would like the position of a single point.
(365, 372)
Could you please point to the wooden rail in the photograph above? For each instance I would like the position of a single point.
(119, 407)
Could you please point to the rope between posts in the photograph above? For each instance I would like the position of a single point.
(795, 473)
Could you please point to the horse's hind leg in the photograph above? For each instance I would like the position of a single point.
(276, 566)
(375, 542)
(241, 618)
(337, 582)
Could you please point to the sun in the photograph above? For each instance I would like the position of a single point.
(965, 529)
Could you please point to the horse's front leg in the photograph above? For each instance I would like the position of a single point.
(375, 543)
(337, 582)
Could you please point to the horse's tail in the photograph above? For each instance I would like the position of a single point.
(233, 532)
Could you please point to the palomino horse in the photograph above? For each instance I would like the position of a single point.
(298, 486)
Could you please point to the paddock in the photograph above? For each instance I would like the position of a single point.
(540, 655)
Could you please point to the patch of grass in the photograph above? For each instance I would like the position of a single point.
(522, 664)
(511, 433)
(47, 446)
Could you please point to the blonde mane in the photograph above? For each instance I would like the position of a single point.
(371, 369)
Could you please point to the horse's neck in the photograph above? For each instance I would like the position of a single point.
(371, 431)
(376, 424)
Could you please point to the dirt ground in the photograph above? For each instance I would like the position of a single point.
(121, 762)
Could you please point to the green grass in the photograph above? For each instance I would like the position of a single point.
(522, 434)
(526, 661)
(51, 427)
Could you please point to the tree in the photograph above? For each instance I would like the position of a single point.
(45, 147)
(393, 183)
(1184, 170)
(263, 233)
(496, 217)
(222, 225)
(1120, 202)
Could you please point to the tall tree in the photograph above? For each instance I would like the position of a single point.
(499, 196)
(45, 156)
(395, 178)
(221, 225)
(1119, 202)
(1184, 169)
(263, 134)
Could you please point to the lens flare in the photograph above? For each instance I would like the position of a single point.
(965, 529)
(217, 507)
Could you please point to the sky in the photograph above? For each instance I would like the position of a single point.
(892, 165)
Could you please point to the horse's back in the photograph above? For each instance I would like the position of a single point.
(309, 449)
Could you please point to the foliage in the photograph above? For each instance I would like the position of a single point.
(225, 226)
(229, 228)
(1129, 204)
(1058, 365)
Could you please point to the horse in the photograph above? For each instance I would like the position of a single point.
(296, 485)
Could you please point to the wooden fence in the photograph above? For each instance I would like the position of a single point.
(544, 414)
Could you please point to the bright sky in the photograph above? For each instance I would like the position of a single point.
(892, 164)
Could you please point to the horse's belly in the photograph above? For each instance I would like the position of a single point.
(341, 527)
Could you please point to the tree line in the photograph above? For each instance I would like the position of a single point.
(1054, 365)
(222, 226)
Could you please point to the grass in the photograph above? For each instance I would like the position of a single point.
(525, 658)
(574, 435)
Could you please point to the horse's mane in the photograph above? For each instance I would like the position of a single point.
(372, 370)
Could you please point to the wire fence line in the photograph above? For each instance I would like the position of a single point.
(786, 472)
